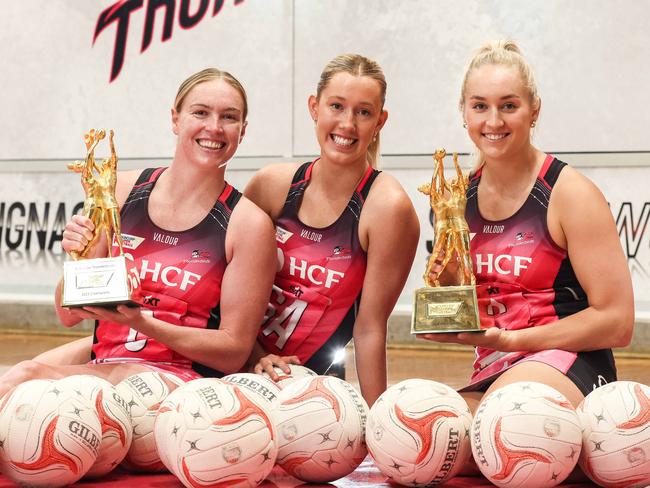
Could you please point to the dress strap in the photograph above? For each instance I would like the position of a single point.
(363, 188)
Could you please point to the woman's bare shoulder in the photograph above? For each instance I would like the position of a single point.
(125, 182)
(268, 187)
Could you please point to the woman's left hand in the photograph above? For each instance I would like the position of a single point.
(492, 338)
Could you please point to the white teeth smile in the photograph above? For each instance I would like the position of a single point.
(495, 137)
(342, 141)
(210, 144)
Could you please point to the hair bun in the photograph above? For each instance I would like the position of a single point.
(499, 45)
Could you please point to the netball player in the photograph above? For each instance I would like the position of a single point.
(204, 254)
(346, 234)
(554, 290)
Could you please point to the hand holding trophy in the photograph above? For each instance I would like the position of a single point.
(447, 308)
(102, 280)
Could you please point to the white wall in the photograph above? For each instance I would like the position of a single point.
(589, 57)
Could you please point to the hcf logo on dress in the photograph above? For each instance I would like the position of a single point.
(316, 274)
(503, 264)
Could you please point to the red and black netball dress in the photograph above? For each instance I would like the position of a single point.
(316, 293)
(180, 277)
(524, 279)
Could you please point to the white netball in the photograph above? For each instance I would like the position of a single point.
(49, 437)
(297, 372)
(143, 393)
(526, 434)
(616, 434)
(210, 433)
(112, 410)
(418, 432)
(320, 422)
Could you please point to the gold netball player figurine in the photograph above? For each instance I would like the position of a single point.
(447, 308)
(102, 280)
(100, 204)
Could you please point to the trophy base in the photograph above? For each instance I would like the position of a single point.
(111, 305)
(445, 309)
(101, 282)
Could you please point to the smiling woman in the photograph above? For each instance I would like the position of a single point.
(553, 298)
(205, 282)
(346, 234)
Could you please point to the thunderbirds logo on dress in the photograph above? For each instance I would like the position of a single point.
(523, 238)
(198, 256)
(340, 252)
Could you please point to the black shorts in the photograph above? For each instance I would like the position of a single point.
(590, 370)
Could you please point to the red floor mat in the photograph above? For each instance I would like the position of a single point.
(365, 475)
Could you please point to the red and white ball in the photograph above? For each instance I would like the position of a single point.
(297, 372)
(616, 434)
(117, 431)
(321, 428)
(49, 436)
(143, 394)
(526, 434)
(209, 433)
(418, 432)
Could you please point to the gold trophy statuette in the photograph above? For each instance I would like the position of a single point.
(103, 280)
(453, 308)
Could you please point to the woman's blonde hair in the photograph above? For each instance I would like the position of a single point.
(356, 65)
(505, 53)
(209, 74)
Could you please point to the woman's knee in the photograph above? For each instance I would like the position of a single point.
(541, 373)
(28, 370)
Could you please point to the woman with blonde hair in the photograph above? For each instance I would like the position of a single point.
(553, 299)
(200, 316)
(346, 234)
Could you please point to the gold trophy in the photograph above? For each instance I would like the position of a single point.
(100, 281)
(438, 309)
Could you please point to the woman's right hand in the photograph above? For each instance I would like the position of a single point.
(77, 233)
(447, 276)
(268, 362)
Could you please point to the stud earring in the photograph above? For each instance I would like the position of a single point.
(464, 125)
(533, 123)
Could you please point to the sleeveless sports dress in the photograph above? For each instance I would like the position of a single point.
(316, 293)
(524, 279)
(180, 277)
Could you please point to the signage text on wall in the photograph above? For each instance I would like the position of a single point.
(189, 15)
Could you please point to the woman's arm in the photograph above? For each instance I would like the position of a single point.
(74, 352)
(245, 289)
(579, 220)
(389, 229)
